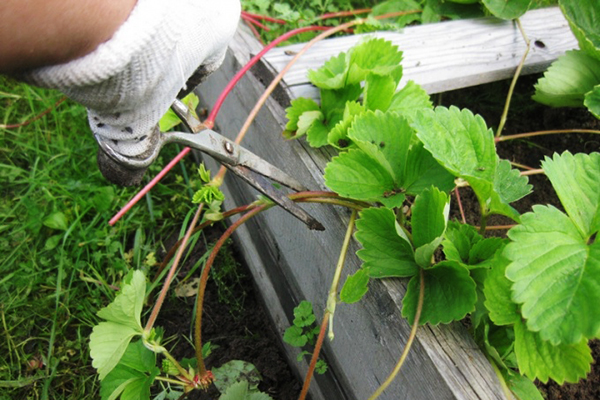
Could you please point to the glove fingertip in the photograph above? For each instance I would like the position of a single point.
(117, 173)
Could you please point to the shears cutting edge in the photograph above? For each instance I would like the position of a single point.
(245, 164)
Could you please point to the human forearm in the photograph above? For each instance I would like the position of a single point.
(35, 33)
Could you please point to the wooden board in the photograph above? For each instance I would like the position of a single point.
(448, 55)
(289, 263)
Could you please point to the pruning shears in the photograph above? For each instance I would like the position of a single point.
(245, 164)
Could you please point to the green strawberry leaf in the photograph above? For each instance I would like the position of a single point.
(126, 308)
(523, 388)
(110, 339)
(482, 252)
(298, 107)
(459, 240)
(386, 250)
(409, 100)
(306, 120)
(388, 138)
(479, 275)
(449, 294)
(338, 136)
(429, 219)
(507, 9)
(132, 377)
(456, 9)
(463, 144)
(459, 140)
(108, 343)
(356, 175)
(317, 134)
(379, 90)
(592, 101)
(332, 75)
(575, 179)
(392, 6)
(556, 276)
(385, 137)
(377, 56)
(421, 171)
(509, 184)
(497, 291)
(538, 359)
(171, 120)
(355, 287)
(333, 102)
(583, 17)
(568, 79)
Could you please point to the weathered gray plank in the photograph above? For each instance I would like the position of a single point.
(448, 55)
(290, 263)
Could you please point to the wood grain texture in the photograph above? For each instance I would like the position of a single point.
(448, 55)
(290, 263)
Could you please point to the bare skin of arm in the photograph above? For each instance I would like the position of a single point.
(35, 33)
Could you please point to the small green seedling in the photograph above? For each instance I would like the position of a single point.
(304, 332)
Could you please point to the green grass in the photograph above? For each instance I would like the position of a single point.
(60, 260)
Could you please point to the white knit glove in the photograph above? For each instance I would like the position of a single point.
(130, 81)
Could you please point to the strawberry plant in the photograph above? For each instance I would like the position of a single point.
(531, 306)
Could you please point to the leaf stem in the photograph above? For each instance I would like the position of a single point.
(315, 356)
(181, 370)
(171, 381)
(340, 14)
(204, 279)
(522, 166)
(533, 172)
(483, 226)
(514, 80)
(299, 197)
(332, 299)
(411, 338)
(539, 133)
(169, 278)
(460, 205)
(505, 388)
(336, 202)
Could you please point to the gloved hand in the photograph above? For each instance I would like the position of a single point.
(130, 81)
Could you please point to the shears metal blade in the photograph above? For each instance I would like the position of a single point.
(253, 169)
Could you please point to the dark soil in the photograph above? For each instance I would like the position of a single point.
(528, 116)
(234, 322)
